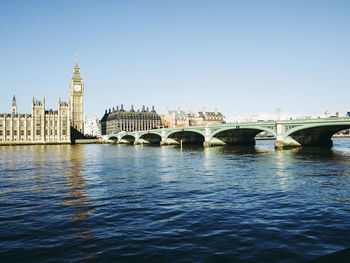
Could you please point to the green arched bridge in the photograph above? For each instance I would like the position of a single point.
(288, 133)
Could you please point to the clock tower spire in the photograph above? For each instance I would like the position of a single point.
(76, 92)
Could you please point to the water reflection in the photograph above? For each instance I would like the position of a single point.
(281, 169)
(149, 200)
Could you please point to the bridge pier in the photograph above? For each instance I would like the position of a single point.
(169, 142)
(283, 141)
(206, 144)
(207, 133)
(279, 144)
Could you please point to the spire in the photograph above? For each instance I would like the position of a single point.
(76, 70)
(14, 105)
(76, 61)
(14, 101)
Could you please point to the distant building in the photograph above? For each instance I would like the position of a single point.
(117, 120)
(204, 117)
(92, 127)
(263, 116)
(46, 126)
(179, 118)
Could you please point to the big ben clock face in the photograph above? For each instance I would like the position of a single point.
(77, 87)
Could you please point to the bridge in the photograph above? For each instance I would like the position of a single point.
(288, 133)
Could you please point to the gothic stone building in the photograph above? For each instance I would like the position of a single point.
(117, 120)
(46, 126)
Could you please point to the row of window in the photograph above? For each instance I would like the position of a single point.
(37, 132)
(38, 123)
(130, 126)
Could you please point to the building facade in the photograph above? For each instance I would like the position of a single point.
(46, 126)
(92, 127)
(179, 118)
(117, 120)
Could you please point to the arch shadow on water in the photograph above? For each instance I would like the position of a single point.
(239, 149)
(322, 155)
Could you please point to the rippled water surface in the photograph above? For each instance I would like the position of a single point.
(119, 203)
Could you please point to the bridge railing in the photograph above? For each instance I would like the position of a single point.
(317, 119)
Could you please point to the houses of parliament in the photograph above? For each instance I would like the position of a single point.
(43, 126)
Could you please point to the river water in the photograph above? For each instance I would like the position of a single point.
(119, 203)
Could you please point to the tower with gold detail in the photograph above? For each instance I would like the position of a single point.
(76, 92)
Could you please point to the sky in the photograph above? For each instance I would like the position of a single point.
(241, 57)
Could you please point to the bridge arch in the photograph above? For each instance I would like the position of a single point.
(186, 136)
(316, 134)
(151, 137)
(113, 138)
(239, 135)
(127, 138)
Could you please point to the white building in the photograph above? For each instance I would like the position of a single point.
(92, 127)
(263, 116)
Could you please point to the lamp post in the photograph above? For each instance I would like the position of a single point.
(278, 110)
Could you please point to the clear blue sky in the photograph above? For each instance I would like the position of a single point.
(238, 56)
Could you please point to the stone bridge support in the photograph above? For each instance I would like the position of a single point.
(207, 133)
(163, 135)
(137, 139)
(283, 141)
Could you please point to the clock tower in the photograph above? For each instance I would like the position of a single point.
(76, 92)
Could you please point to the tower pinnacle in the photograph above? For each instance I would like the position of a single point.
(76, 61)
(76, 70)
(14, 101)
(14, 105)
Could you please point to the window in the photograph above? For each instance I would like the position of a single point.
(7, 133)
(29, 132)
(15, 132)
(22, 132)
(38, 132)
(0, 132)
